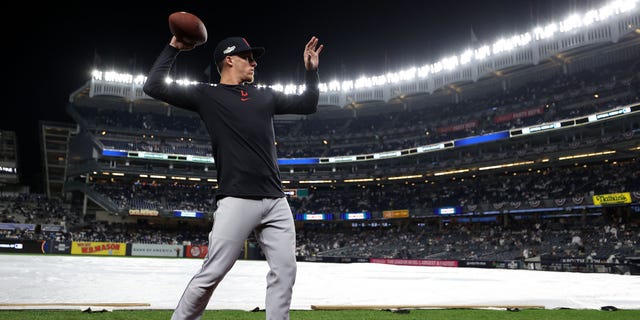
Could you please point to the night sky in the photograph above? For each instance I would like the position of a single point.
(51, 51)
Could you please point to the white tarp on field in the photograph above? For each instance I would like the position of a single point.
(30, 281)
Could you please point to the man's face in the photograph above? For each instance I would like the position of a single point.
(245, 64)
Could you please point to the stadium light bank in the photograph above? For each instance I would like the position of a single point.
(573, 22)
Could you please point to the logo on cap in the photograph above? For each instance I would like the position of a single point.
(234, 45)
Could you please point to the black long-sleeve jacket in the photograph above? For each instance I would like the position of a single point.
(239, 119)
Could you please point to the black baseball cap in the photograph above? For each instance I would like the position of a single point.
(232, 46)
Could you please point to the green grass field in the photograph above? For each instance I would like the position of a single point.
(415, 314)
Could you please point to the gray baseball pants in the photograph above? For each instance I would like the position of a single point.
(234, 220)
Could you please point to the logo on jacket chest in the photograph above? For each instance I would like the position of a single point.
(244, 96)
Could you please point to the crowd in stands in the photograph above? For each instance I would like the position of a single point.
(490, 189)
(159, 196)
(566, 96)
(550, 183)
(419, 123)
(149, 122)
(524, 235)
(36, 208)
(151, 144)
(597, 237)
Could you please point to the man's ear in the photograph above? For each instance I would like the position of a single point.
(224, 61)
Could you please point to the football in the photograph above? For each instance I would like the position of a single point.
(187, 28)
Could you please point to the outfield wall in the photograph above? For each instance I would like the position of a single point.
(252, 252)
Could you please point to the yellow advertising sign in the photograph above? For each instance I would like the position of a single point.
(389, 214)
(143, 212)
(612, 198)
(99, 248)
